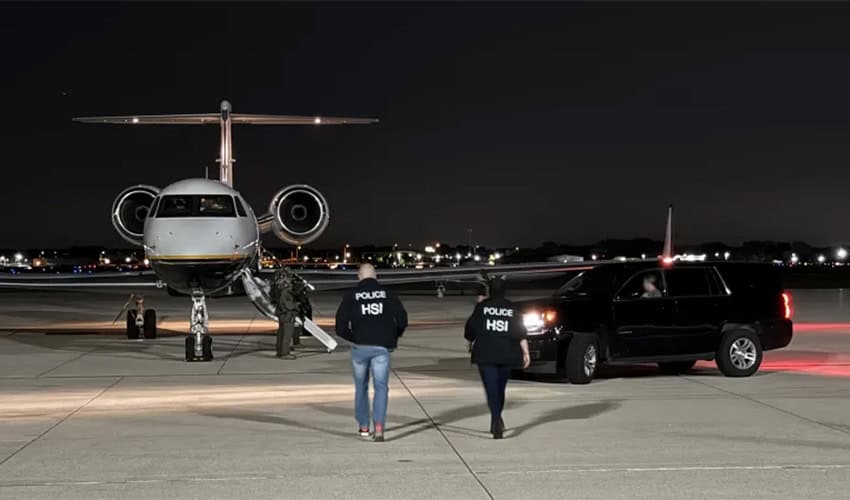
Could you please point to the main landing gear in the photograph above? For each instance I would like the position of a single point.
(199, 341)
(140, 321)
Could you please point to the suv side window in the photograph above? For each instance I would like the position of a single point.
(644, 285)
(688, 282)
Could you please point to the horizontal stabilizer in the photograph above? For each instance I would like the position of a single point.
(215, 119)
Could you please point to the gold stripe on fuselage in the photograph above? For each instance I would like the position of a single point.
(229, 257)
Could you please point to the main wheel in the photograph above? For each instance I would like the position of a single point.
(132, 329)
(206, 345)
(739, 354)
(676, 367)
(582, 358)
(150, 324)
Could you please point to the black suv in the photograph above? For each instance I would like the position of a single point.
(673, 315)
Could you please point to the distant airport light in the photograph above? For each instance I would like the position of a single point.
(498, 256)
(841, 253)
(127, 260)
(317, 120)
(643, 256)
(347, 255)
(135, 120)
(429, 249)
(107, 261)
(19, 257)
(821, 259)
(457, 256)
(306, 258)
(147, 262)
(593, 257)
(477, 258)
(726, 255)
(794, 258)
(438, 258)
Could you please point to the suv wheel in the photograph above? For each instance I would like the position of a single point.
(739, 354)
(582, 358)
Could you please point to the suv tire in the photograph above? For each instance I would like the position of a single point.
(582, 358)
(739, 354)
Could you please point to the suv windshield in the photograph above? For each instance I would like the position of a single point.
(593, 281)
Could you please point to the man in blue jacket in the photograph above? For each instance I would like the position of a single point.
(372, 319)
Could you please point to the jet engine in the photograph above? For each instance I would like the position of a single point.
(300, 214)
(129, 211)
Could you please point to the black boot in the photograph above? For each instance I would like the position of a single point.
(497, 427)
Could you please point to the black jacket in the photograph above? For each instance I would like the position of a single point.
(371, 315)
(496, 329)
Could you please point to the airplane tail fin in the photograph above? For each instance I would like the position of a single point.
(225, 118)
(667, 253)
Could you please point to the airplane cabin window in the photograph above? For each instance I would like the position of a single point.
(196, 206)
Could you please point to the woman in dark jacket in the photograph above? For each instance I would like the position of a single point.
(499, 345)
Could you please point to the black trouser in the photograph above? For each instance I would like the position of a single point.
(495, 380)
(285, 332)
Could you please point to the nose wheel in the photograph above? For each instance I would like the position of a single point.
(199, 342)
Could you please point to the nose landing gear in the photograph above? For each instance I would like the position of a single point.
(199, 342)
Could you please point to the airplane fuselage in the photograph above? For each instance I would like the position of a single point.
(199, 235)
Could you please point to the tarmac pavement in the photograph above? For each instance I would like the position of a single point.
(86, 414)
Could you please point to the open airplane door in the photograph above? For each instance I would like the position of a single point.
(257, 290)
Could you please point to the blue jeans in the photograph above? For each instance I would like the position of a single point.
(374, 359)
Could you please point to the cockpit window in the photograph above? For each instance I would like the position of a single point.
(196, 206)
(154, 206)
(240, 209)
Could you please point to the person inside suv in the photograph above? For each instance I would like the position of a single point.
(650, 290)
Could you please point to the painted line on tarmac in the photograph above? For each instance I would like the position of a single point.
(64, 419)
(687, 468)
(772, 407)
(567, 470)
(443, 434)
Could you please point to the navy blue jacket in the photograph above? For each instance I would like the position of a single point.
(371, 315)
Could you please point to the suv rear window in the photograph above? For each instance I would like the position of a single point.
(687, 282)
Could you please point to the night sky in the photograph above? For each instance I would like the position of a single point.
(564, 122)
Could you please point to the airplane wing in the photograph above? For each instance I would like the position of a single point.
(328, 279)
(215, 119)
(76, 281)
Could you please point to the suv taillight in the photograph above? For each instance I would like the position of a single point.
(786, 303)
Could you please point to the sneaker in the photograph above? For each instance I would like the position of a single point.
(378, 437)
(364, 432)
